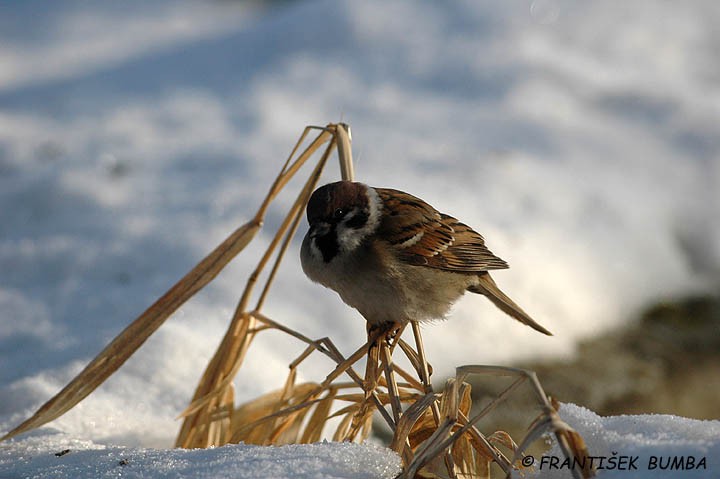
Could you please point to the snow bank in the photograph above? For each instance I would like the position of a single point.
(581, 138)
(56, 456)
(642, 446)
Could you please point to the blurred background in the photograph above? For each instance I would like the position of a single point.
(582, 139)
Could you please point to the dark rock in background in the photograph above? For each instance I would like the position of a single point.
(668, 362)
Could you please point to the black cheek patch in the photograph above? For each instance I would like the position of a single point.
(328, 245)
(358, 221)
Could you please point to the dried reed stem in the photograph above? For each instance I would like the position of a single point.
(433, 435)
(129, 340)
(211, 393)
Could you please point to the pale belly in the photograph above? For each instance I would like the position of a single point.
(396, 293)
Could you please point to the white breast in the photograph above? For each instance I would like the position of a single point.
(383, 289)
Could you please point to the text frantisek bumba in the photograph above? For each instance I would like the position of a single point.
(618, 462)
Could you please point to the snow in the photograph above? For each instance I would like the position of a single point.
(42, 457)
(655, 441)
(637, 440)
(580, 138)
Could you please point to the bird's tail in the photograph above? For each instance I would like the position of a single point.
(487, 287)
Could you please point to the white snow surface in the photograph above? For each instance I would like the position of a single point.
(49, 454)
(662, 446)
(36, 457)
(580, 138)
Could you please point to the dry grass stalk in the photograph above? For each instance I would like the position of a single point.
(129, 340)
(432, 431)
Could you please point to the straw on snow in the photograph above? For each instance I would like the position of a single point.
(433, 432)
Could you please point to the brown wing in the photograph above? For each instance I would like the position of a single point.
(426, 237)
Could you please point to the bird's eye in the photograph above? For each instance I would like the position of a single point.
(338, 213)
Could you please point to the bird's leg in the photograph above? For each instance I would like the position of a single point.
(364, 412)
(387, 330)
(390, 341)
(378, 337)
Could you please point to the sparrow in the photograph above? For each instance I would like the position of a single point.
(395, 258)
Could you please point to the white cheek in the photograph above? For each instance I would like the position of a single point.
(350, 238)
(375, 207)
(310, 254)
